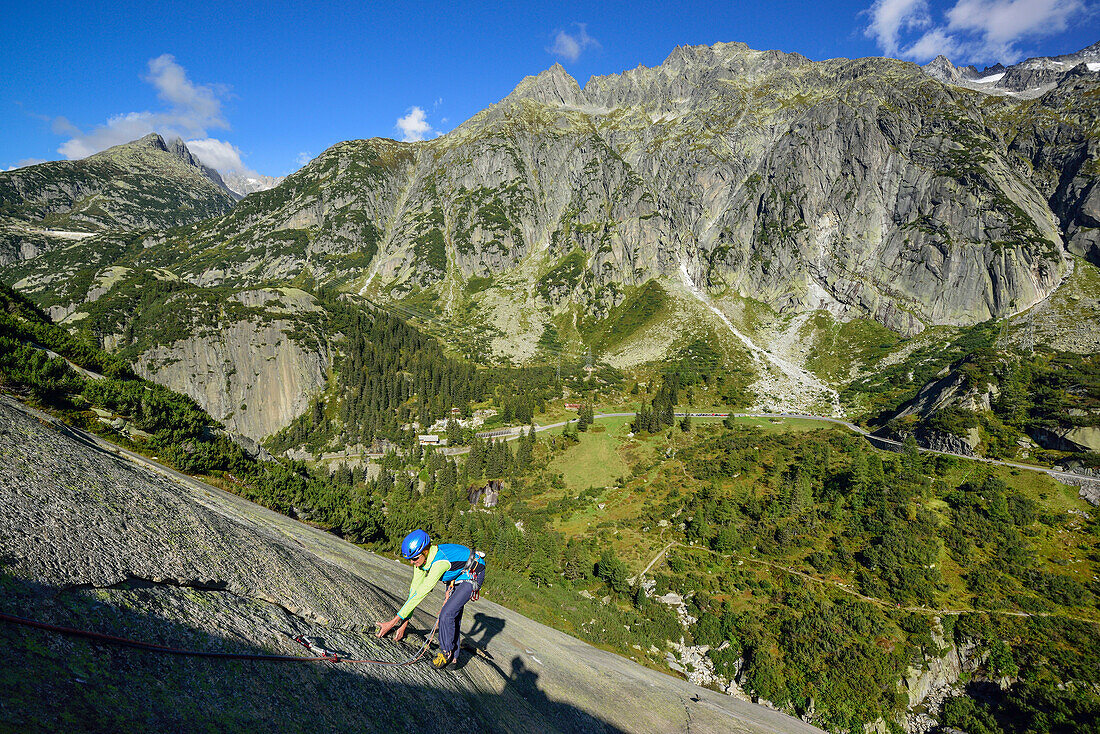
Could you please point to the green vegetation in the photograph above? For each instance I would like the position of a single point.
(885, 390)
(389, 375)
(476, 284)
(430, 249)
(563, 277)
(492, 211)
(637, 310)
(1032, 395)
(758, 504)
(840, 345)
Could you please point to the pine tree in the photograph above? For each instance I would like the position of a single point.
(612, 571)
(584, 417)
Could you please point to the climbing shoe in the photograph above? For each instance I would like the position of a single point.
(441, 660)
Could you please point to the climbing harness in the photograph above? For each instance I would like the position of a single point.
(477, 558)
(322, 655)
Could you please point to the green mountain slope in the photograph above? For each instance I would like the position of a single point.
(140, 185)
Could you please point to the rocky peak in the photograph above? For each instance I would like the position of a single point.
(942, 69)
(152, 141)
(1081, 69)
(1089, 52)
(179, 149)
(551, 87)
(734, 56)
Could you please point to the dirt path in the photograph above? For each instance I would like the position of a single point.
(657, 558)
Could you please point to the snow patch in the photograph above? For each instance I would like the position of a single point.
(990, 79)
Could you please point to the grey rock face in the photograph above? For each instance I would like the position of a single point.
(942, 441)
(1064, 160)
(89, 540)
(252, 376)
(941, 69)
(244, 184)
(760, 174)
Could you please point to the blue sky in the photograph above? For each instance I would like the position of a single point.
(266, 86)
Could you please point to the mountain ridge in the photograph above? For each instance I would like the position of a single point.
(91, 193)
(745, 190)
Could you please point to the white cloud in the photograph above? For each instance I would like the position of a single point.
(414, 126)
(26, 162)
(195, 105)
(62, 126)
(971, 30)
(890, 17)
(571, 46)
(999, 25)
(303, 158)
(192, 109)
(219, 154)
(932, 44)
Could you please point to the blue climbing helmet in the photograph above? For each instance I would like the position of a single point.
(415, 543)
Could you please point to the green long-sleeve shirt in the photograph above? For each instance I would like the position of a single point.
(424, 580)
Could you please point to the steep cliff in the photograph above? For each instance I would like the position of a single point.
(254, 374)
(864, 185)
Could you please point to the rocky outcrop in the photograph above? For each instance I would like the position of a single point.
(929, 684)
(89, 540)
(947, 442)
(692, 662)
(939, 671)
(253, 376)
(489, 495)
(1068, 438)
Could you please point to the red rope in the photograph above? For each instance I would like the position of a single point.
(332, 657)
(152, 647)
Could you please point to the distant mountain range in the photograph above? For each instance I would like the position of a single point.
(753, 202)
(245, 184)
(1027, 79)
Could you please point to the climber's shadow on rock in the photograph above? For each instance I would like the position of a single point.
(484, 629)
(523, 682)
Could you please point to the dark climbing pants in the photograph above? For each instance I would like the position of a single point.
(450, 617)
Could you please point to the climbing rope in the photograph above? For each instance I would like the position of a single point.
(324, 656)
(333, 657)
